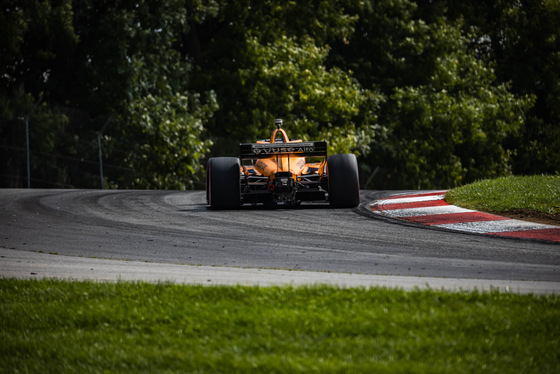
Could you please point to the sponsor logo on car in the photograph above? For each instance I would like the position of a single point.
(259, 149)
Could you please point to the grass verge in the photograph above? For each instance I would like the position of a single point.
(539, 193)
(51, 326)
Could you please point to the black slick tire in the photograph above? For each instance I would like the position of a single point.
(222, 183)
(344, 182)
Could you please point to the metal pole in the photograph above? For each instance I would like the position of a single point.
(100, 159)
(27, 140)
(99, 145)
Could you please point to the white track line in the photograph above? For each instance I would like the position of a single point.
(410, 199)
(33, 265)
(424, 211)
(496, 226)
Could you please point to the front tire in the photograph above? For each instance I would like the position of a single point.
(223, 183)
(344, 181)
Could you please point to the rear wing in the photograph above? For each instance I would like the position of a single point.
(265, 150)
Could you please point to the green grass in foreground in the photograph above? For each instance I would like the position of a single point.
(56, 327)
(536, 193)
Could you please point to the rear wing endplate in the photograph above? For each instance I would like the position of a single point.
(303, 149)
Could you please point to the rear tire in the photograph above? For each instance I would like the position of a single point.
(344, 181)
(222, 186)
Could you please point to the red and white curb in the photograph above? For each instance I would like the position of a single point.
(431, 209)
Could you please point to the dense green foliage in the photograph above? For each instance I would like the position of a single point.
(540, 193)
(54, 326)
(427, 93)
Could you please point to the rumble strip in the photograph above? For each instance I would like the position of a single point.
(431, 209)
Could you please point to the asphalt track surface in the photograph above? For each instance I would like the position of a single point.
(178, 229)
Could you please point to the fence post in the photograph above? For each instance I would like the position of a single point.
(100, 159)
(99, 146)
(27, 140)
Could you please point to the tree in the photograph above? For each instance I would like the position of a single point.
(95, 60)
(32, 35)
(287, 79)
(267, 60)
(523, 39)
(133, 53)
(441, 106)
(429, 93)
(455, 128)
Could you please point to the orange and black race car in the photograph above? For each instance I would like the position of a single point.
(282, 171)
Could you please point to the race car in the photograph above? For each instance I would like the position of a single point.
(282, 172)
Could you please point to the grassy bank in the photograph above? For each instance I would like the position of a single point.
(538, 193)
(54, 326)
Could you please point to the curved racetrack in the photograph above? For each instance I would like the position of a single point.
(176, 227)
